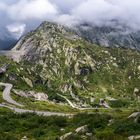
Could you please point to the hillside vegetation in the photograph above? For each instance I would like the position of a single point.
(80, 71)
(98, 86)
(98, 127)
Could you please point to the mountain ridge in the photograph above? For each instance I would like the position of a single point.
(78, 69)
(111, 36)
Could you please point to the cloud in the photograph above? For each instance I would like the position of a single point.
(25, 12)
(16, 29)
(71, 12)
(100, 12)
(65, 6)
(29, 10)
(95, 11)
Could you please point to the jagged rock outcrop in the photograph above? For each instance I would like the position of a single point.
(32, 94)
(65, 136)
(137, 137)
(82, 129)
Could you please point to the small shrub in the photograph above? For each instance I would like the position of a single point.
(118, 103)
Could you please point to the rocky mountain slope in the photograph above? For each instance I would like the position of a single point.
(20, 75)
(84, 73)
(111, 36)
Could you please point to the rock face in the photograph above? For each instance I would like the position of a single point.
(24, 138)
(78, 69)
(82, 132)
(32, 94)
(111, 36)
(82, 129)
(137, 137)
(65, 136)
(28, 81)
(134, 115)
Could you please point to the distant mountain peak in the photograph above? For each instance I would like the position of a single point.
(111, 36)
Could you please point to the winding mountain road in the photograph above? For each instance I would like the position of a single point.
(6, 94)
(7, 98)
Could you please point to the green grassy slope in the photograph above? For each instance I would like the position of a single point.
(16, 126)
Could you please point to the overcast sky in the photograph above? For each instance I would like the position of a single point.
(19, 15)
